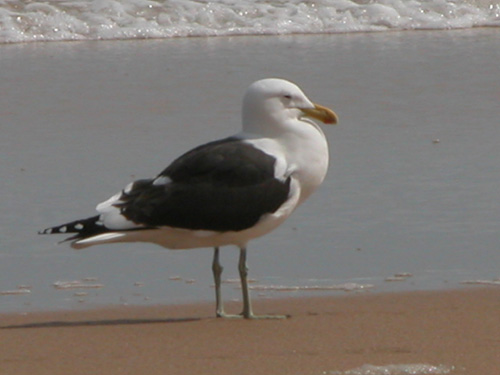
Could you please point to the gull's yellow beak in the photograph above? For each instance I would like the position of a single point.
(323, 114)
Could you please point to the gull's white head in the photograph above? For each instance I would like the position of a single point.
(276, 102)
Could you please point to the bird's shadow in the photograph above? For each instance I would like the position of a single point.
(97, 323)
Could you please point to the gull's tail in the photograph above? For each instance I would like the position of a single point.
(83, 228)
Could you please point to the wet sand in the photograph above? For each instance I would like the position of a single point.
(457, 329)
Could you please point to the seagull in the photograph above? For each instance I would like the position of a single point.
(225, 192)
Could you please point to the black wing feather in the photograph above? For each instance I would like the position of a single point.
(224, 185)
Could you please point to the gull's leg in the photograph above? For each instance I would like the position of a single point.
(217, 271)
(247, 303)
(243, 269)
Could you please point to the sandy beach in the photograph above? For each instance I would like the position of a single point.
(457, 330)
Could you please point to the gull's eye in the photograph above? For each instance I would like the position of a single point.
(287, 97)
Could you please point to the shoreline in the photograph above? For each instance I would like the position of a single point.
(207, 306)
(457, 329)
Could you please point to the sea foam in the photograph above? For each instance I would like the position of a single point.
(399, 369)
(58, 20)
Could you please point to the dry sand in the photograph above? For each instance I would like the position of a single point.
(459, 328)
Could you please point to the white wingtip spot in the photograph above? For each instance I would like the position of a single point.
(63, 229)
(79, 226)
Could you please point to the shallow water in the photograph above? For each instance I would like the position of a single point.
(412, 187)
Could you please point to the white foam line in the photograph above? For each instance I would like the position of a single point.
(76, 284)
(399, 369)
(348, 287)
(481, 282)
(57, 20)
(237, 281)
(15, 292)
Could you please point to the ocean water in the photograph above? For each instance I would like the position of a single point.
(57, 20)
(411, 198)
